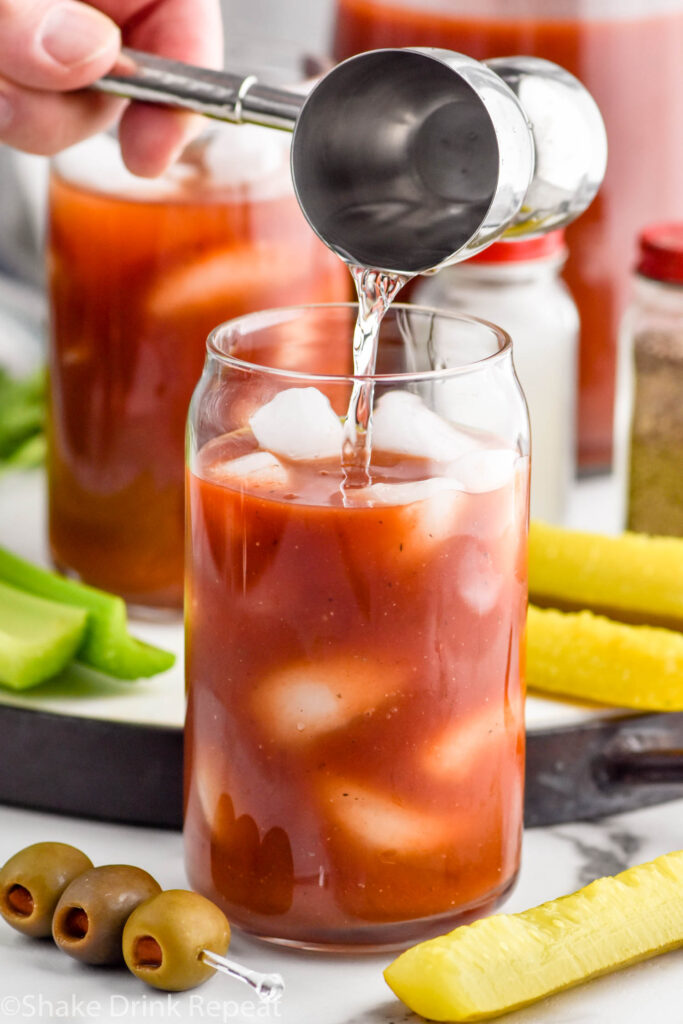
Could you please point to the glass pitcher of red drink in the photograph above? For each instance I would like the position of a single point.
(355, 733)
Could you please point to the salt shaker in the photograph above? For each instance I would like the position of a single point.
(649, 415)
(517, 285)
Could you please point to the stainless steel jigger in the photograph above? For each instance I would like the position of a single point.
(408, 160)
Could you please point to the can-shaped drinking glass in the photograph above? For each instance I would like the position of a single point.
(355, 732)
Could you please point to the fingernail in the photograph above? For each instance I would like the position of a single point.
(72, 34)
(6, 111)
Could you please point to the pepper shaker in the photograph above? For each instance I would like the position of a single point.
(649, 411)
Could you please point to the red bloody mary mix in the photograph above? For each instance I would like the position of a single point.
(354, 738)
(630, 62)
(139, 274)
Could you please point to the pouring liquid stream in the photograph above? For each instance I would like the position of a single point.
(376, 291)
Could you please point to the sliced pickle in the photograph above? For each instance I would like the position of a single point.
(501, 963)
(633, 577)
(589, 657)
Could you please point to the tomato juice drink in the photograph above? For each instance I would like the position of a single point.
(354, 735)
(628, 55)
(140, 271)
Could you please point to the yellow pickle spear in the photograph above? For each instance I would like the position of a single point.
(589, 657)
(633, 577)
(501, 963)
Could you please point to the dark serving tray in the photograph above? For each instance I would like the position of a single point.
(132, 773)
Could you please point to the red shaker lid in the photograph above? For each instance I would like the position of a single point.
(661, 252)
(513, 251)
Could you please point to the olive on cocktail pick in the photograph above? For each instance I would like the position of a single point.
(176, 940)
(32, 881)
(91, 912)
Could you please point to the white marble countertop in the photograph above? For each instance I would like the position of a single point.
(38, 982)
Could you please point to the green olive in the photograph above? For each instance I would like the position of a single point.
(92, 910)
(32, 881)
(163, 939)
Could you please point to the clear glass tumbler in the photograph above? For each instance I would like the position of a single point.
(140, 271)
(355, 733)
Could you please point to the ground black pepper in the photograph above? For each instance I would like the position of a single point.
(655, 337)
(656, 463)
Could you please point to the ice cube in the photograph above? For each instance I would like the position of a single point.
(434, 520)
(298, 703)
(480, 583)
(403, 538)
(465, 742)
(229, 446)
(482, 402)
(383, 822)
(485, 469)
(298, 423)
(426, 513)
(232, 277)
(255, 470)
(402, 423)
(250, 155)
(404, 492)
(96, 164)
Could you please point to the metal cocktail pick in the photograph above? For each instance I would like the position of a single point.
(268, 987)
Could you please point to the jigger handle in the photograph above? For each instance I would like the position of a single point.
(219, 94)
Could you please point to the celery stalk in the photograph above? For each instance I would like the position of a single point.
(22, 410)
(27, 455)
(38, 638)
(107, 645)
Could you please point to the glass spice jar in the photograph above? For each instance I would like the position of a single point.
(651, 385)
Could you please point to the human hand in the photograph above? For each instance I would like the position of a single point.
(50, 47)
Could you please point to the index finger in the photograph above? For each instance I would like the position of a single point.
(186, 30)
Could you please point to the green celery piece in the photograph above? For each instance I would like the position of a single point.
(107, 645)
(17, 423)
(22, 409)
(38, 638)
(29, 454)
(30, 387)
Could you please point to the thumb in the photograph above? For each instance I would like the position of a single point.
(55, 44)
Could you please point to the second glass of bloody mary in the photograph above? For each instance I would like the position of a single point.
(140, 271)
(355, 732)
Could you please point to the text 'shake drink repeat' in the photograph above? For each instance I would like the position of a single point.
(140, 272)
(355, 736)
